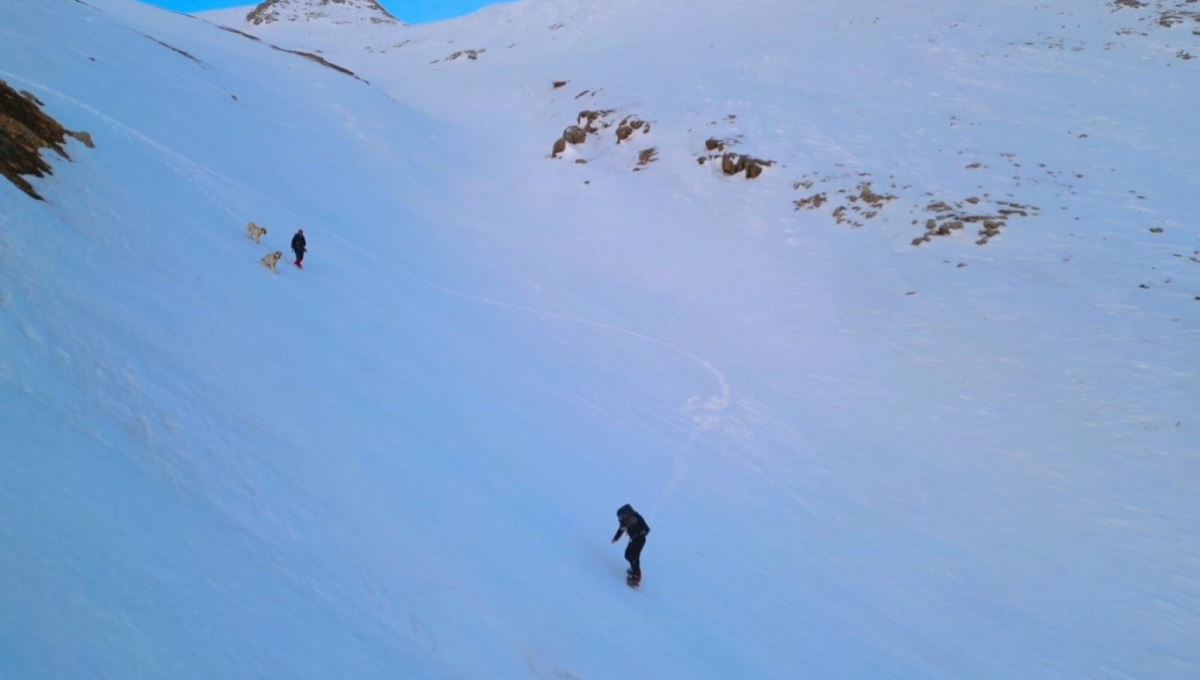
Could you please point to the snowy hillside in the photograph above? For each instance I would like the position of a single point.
(884, 315)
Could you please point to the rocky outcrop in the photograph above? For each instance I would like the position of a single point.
(573, 134)
(320, 60)
(629, 126)
(589, 122)
(948, 219)
(645, 158)
(335, 11)
(594, 120)
(183, 53)
(735, 164)
(24, 131)
(812, 202)
(732, 163)
(471, 55)
(853, 204)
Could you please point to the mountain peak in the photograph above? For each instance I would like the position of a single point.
(336, 11)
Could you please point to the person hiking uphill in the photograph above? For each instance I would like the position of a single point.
(299, 245)
(630, 522)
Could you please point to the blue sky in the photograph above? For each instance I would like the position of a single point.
(411, 11)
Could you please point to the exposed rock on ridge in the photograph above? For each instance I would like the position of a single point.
(24, 131)
(337, 11)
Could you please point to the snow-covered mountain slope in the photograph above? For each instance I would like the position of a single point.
(860, 457)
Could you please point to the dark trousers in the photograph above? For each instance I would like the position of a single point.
(633, 553)
(299, 255)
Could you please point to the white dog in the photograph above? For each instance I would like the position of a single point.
(271, 259)
(255, 232)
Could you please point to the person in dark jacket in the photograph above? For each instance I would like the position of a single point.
(299, 245)
(630, 522)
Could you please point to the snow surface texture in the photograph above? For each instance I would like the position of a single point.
(859, 457)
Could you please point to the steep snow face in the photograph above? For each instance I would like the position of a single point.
(331, 11)
(154, 465)
(862, 451)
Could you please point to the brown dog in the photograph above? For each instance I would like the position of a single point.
(255, 232)
(271, 259)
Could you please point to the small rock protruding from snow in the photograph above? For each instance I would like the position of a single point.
(733, 163)
(645, 158)
(628, 126)
(736, 163)
(472, 55)
(594, 120)
(573, 134)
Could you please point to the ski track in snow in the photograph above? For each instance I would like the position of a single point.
(704, 413)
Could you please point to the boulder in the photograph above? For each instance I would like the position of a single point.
(574, 134)
(732, 163)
